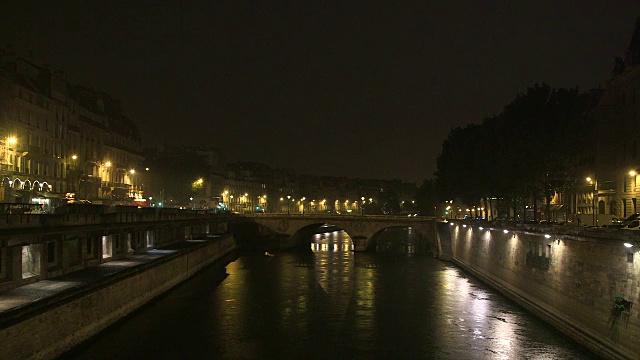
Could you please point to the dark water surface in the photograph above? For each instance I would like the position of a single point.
(331, 303)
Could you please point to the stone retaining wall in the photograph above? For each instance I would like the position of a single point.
(60, 326)
(571, 280)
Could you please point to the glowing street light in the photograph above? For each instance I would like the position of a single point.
(74, 157)
(594, 181)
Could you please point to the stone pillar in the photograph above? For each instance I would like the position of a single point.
(360, 243)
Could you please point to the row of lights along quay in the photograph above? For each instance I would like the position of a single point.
(583, 280)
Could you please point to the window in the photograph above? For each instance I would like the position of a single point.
(30, 261)
(150, 237)
(539, 249)
(107, 247)
(548, 253)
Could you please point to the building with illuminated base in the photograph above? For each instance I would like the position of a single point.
(58, 141)
(618, 140)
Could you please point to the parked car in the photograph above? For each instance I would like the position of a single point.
(630, 223)
(633, 225)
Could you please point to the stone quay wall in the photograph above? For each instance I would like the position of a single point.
(569, 277)
(60, 325)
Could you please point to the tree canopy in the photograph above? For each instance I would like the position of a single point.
(528, 151)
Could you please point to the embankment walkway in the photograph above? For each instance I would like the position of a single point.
(47, 318)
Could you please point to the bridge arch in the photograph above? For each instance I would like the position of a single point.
(361, 229)
(305, 235)
(397, 239)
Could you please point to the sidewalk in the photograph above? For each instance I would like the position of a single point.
(29, 299)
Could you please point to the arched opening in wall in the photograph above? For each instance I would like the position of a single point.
(396, 240)
(26, 185)
(323, 237)
(601, 207)
(6, 182)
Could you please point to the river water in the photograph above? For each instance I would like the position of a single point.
(332, 303)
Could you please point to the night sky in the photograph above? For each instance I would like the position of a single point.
(362, 89)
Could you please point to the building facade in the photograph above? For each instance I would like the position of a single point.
(59, 142)
(618, 140)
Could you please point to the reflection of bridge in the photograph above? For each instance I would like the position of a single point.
(362, 229)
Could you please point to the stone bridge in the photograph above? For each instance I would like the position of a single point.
(363, 230)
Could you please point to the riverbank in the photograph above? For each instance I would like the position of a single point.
(45, 319)
(582, 282)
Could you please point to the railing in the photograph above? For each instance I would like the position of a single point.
(338, 216)
(22, 221)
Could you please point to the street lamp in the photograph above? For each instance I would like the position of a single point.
(633, 174)
(288, 204)
(594, 181)
(133, 188)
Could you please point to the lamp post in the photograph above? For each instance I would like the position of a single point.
(288, 204)
(633, 174)
(131, 172)
(594, 182)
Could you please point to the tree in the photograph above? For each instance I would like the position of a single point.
(426, 199)
(526, 153)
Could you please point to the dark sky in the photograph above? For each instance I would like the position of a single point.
(362, 89)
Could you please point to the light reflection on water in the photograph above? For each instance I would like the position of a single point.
(331, 241)
(333, 303)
